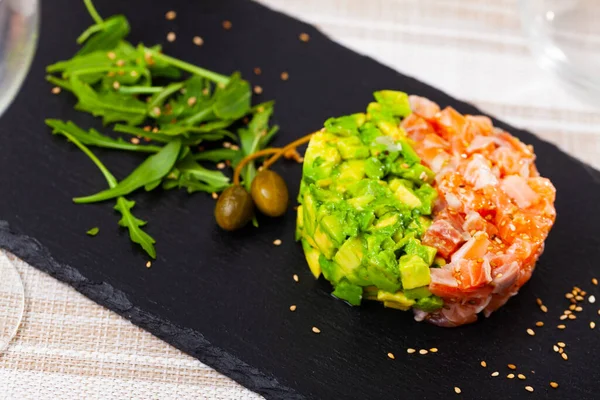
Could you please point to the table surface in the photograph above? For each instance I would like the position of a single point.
(69, 347)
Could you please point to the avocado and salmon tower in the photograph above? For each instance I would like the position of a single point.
(423, 209)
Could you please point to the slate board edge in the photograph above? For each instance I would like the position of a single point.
(187, 340)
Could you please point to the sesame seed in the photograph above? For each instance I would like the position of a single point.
(221, 165)
(316, 330)
(111, 55)
(544, 308)
(116, 85)
(293, 307)
(205, 91)
(510, 376)
(171, 36)
(592, 299)
(285, 76)
(457, 390)
(572, 316)
(433, 350)
(564, 356)
(235, 147)
(120, 63)
(521, 376)
(569, 295)
(155, 129)
(539, 301)
(227, 25)
(512, 366)
(258, 89)
(191, 101)
(257, 71)
(539, 323)
(560, 351)
(226, 145)
(561, 344)
(277, 242)
(562, 317)
(572, 307)
(156, 111)
(529, 388)
(171, 15)
(295, 277)
(598, 312)
(391, 355)
(215, 195)
(561, 326)
(483, 364)
(555, 348)
(567, 312)
(135, 140)
(148, 264)
(595, 281)
(495, 373)
(410, 351)
(583, 293)
(530, 332)
(56, 90)
(553, 385)
(423, 352)
(198, 41)
(304, 37)
(592, 325)
(579, 298)
(134, 74)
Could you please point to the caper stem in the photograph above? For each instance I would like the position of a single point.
(290, 146)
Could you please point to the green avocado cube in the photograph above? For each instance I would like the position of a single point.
(429, 304)
(414, 272)
(408, 153)
(407, 196)
(312, 258)
(352, 148)
(350, 255)
(427, 253)
(333, 225)
(324, 242)
(309, 213)
(299, 223)
(417, 293)
(352, 170)
(396, 102)
(331, 270)
(374, 168)
(345, 126)
(349, 292)
(395, 300)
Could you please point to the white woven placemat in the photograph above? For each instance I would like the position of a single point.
(69, 347)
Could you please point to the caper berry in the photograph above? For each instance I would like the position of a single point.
(234, 208)
(270, 193)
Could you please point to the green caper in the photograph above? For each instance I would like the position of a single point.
(270, 193)
(234, 208)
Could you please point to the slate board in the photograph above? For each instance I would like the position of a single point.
(224, 298)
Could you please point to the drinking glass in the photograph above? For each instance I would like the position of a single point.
(18, 39)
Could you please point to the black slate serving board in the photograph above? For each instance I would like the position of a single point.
(224, 298)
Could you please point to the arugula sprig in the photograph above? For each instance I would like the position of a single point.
(173, 105)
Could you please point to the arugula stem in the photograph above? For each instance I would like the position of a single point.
(93, 12)
(141, 89)
(210, 75)
(59, 82)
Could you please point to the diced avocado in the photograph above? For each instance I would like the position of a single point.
(407, 197)
(333, 226)
(324, 243)
(299, 223)
(392, 129)
(374, 168)
(382, 268)
(352, 148)
(361, 202)
(331, 270)
(352, 170)
(312, 258)
(345, 126)
(368, 133)
(387, 220)
(439, 262)
(309, 212)
(427, 253)
(414, 272)
(349, 292)
(365, 219)
(394, 183)
(320, 159)
(429, 304)
(427, 195)
(417, 293)
(350, 255)
(395, 300)
(409, 154)
(396, 102)
(417, 173)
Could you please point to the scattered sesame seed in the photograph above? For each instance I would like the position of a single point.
(135, 140)
(539, 301)
(227, 25)
(495, 373)
(257, 71)
(529, 388)
(592, 299)
(215, 195)
(410, 351)
(171, 15)
(423, 352)
(277, 242)
(544, 308)
(391, 355)
(156, 111)
(572, 307)
(155, 129)
(116, 85)
(555, 348)
(134, 73)
(221, 165)
(316, 330)
(521, 376)
(111, 55)
(293, 307)
(148, 264)
(433, 350)
(457, 390)
(553, 385)
(171, 36)
(592, 325)
(304, 37)
(579, 298)
(569, 295)
(564, 356)
(258, 89)
(235, 147)
(205, 91)
(226, 145)
(561, 326)
(198, 41)
(295, 277)
(595, 281)
(560, 351)
(530, 332)
(191, 101)
(562, 317)
(483, 364)
(285, 76)
(561, 344)
(510, 376)
(56, 90)
(583, 293)
(120, 63)
(512, 366)
(567, 312)
(572, 316)
(539, 323)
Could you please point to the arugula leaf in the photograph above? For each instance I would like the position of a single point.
(134, 225)
(95, 138)
(217, 155)
(93, 231)
(153, 168)
(159, 58)
(159, 98)
(206, 180)
(233, 102)
(106, 37)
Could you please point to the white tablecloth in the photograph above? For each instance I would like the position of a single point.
(69, 347)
